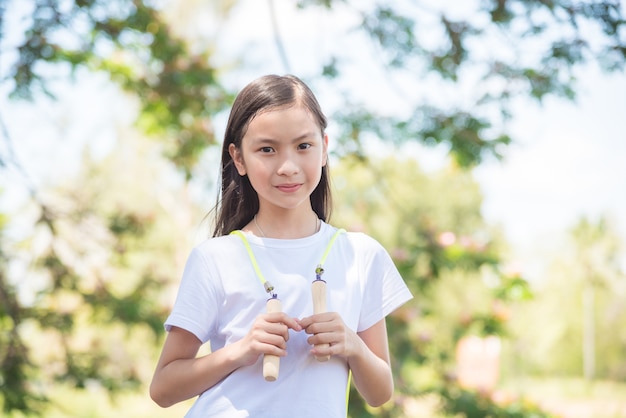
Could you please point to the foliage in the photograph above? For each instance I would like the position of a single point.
(97, 275)
(591, 264)
(15, 367)
(130, 41)
(471, 404)
(451, 262)
(482, 54)
(503, 49)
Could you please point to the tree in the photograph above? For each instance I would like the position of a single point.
(501, 49)
(101, 260)
(597, 251)
(16, 368)
(179, 90)
(452, 262)
(583, 294)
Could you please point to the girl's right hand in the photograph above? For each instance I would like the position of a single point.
(180, 374)
(268, 335)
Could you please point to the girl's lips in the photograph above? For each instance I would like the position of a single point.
(288, 188)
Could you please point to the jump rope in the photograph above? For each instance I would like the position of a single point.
(271, 363)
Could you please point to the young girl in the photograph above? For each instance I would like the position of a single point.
(276, 195)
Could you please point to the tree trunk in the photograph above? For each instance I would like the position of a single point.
(589, 347)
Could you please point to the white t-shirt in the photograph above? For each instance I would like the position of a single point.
(220, 296)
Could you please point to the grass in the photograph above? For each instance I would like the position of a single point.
(573, 397)
(66, 402)
(567, 398)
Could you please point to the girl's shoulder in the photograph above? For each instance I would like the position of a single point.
(216, 246)
(361, 241)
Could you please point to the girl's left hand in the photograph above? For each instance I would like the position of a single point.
(329, 328)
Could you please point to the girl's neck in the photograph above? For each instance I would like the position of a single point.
(286, 226)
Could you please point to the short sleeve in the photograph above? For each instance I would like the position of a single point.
(384, 289)
(195, 308)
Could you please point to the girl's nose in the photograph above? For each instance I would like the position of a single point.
(288, 166)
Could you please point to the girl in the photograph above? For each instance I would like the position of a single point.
(276, 195)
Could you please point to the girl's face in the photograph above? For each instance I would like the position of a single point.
(282, 153)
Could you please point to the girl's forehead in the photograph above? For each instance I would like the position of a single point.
(287, 124)
(283, 115)
(297, 105)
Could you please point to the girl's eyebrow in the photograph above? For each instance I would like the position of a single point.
(303, 136)
(265, 140)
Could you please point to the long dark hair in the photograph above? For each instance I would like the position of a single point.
(237, 201)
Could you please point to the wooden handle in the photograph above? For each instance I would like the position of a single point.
(318, 290)
(271, 363)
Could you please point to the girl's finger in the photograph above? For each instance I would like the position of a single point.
(283, 318)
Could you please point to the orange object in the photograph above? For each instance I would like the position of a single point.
(318, 290)
(478, 362)
(271, 363)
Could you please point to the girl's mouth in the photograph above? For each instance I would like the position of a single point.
(288, 188)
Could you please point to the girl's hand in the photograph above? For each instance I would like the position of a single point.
(268, 335)
(329, 328)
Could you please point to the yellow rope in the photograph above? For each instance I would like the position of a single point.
(264, 282)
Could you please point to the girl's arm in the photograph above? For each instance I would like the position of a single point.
(367, 353)
(371, 371)
(180, 375)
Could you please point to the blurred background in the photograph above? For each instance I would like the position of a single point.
(480, 142)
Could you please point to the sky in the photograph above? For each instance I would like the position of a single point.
(568, 161)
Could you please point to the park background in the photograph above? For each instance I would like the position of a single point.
(512, 229)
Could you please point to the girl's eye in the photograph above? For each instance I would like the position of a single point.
(304, 146)
(266, 149)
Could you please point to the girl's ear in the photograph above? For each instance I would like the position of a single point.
(235, 154)
(325, 151)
